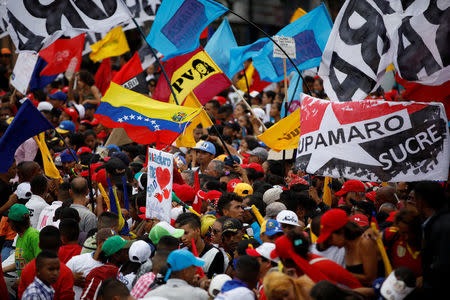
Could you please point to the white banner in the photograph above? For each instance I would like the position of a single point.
(34, 26)
(159, 185)
(23, 69)
(368, 35)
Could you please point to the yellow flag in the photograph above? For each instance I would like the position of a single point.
(49, 167)
(187, 138)
(113, 44)
(327, 191)
(241, 84)
(284, 134)
(299, 12)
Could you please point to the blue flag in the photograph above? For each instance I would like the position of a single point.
(241, 54)
(37, 81)
(27, 123)
(310, 33)
(179, 24)
(219, 46)
(293, 94)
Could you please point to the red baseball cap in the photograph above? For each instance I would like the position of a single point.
(360, 219)
(213, 196)
(222, 100)
(231, 184)
(332, 220)
(185, 192)
(392, 215)
(351, 186)
(254, 166)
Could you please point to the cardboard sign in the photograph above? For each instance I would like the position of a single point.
(288, 45)
(23, 70)
(159, 185)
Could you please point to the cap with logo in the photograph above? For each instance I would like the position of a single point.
(287, 217)
(232, 184)
(263, 251)
(243, 189)
(182, 259)
(66, 127)
(360, 219)
(72, 112)
(23, 191)
(162, 229)
(82, 150)
(271, 227)
(332, 220)
(351, 186)
(18, 212)
(231, 225)
(205, 146)
(139, 252)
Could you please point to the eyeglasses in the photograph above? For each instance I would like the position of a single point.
(213, 230)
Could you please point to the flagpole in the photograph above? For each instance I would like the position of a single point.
(246, 82)
(157, 58)
(266, 34)
(67, 146)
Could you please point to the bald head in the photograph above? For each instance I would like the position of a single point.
(79, 187)
(385, 195)
(27, 170)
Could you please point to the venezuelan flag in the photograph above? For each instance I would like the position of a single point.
(145, 120)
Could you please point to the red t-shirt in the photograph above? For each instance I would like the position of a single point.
(95, 279)
(400, 252)
(334, 271)
(66, 252)
(63, 286)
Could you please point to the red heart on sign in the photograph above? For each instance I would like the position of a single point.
(163, 177)
(159, 197)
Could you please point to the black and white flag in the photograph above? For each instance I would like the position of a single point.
(34, 26)
(368, 35)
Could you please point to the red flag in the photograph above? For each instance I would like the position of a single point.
(192, 72)
(257, 84)
(426, 93)
(103, 76)
(131, 76)
(61, 54)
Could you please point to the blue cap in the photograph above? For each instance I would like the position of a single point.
(271, 227)
(61, 96)
(66, 156)
(65, 127)
(181, 259)
(205, 146)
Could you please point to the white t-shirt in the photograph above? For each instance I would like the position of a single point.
(35, 205)
(84, 263)
(47, 214)
(333, 253)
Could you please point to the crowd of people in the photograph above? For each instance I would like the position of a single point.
(258, 228)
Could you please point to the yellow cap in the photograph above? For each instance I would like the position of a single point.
(243, 189)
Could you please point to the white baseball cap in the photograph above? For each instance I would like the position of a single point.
(217, 283)
(139, 252)
(287, 217)
(263, 251)
(45, 106)
(23, 191)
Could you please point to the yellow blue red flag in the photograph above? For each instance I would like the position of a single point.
(145, 120)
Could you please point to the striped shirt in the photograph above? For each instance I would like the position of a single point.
(38, 290)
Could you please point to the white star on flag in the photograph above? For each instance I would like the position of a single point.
(125, 118)
(132, 117)
(343, 151)
(153, 122)
(156, 127)
(120, 120)
(146, 119)
(139, 118)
